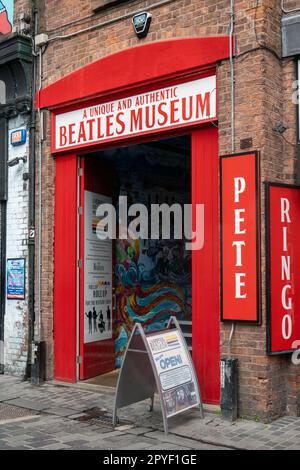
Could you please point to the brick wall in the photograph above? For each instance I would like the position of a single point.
(22, 6)
(268, 386)
(264, 98)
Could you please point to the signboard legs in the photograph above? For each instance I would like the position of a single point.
(158, 362)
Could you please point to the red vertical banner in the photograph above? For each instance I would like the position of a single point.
(283, 267)
(240, 238)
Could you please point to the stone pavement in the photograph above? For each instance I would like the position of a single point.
(53, 416)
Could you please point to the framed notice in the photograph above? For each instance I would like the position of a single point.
(283, 273)
(98, 265)
(175, 372)
(16, 279)
(240, 238)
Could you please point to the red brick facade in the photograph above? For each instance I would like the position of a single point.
(268, 386)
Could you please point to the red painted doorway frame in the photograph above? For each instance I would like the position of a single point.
(205, 282)
(199, 54)
(97, 358)
(206, 265)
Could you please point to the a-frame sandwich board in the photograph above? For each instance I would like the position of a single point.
(158, 362)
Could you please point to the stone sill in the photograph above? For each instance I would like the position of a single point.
(98, 5)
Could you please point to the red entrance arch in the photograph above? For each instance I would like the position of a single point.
(128, 72)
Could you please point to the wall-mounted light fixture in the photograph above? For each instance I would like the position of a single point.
(16, 161)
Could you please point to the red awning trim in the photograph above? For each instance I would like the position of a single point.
(132, 67)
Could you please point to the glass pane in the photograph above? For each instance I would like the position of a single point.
(2, 92)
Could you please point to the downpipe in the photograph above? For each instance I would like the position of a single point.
(229, 365)
(2, 282)
(31, 219)
(3, 215)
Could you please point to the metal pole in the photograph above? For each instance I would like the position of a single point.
(79, 273)
(3, 215)
(232, 88)
(31, 218)
(232, 75)
(2, 282)
(230, 339)
(40, 209)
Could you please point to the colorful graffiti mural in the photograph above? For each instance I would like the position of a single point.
(153, 282)
(152, 277)
(6, 16)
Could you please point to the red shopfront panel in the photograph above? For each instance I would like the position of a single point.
(283, 272)
(240, 242)
(65, 268)
(205, 266)
(98, 357)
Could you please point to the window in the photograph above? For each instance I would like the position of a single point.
(2, 92)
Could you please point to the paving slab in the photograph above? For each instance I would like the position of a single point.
(26, 403)
(60, 408)
(176, 440)
(138, 446)
(59, 411)
(138, 431)
(165, 446)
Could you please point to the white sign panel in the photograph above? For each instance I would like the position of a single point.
(97, 274)
(177, 106)
(175, 372)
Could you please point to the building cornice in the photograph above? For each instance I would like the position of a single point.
(16, 72)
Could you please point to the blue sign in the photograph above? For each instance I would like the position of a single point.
(16, 279)
(18, 137)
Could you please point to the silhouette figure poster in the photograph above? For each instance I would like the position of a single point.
(98, 265)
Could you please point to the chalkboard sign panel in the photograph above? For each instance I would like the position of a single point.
(158, 363)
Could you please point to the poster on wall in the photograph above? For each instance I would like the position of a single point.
(240, 238)
(16, 279)
(283, 273)
(6, 16)
(175, 371)
(98, 265)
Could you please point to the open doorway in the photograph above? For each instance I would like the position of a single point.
(128, 280)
